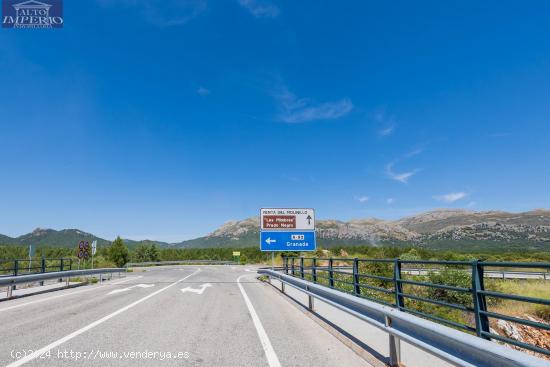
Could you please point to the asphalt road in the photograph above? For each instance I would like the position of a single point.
(223, 317)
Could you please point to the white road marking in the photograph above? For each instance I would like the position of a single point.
(197, 291)
(132, 287)
(66, 338)
(272, 358)
(69, 294)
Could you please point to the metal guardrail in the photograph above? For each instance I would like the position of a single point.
(182, 262)
(10, 281)
(34, 266)
(386, 281)
(451, 345)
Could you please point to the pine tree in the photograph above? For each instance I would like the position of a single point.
(153, 253)
(118, 252)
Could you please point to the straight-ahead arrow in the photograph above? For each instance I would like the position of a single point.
(309, 220)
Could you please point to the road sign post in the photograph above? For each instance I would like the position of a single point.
(83, 251)
(94, 249)
(287, 230)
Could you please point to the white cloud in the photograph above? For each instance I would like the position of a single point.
(386, 131)
(390, 201)
(297, 110)
(362, 199)
(261, 8)
(402, 177)
(387, 122)
(451, 197)
(414, 152)
(203, 91)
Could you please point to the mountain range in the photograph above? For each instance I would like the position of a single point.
(443, 229)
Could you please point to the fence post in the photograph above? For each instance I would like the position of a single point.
(302, 267)
(480, 303)
(398, 287)
(314, 270)
(356, 287)
(15, 271)
(61, 265)
(42, 268)
(292, 266)
(286, 264)
(330, 273)
(70, 264)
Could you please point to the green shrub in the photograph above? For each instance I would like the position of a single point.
(452, 277)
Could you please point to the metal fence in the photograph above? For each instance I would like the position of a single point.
(34, 266)
(447, 292)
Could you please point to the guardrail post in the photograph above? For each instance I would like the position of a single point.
(330, 273)
(314, 270)
(310, 300)
(356, 287)
(480, 303)
(394, 347)
(70, 264)
(15, 271)
(286, 264)
(398, 287)
(292, 266)
(302, 267)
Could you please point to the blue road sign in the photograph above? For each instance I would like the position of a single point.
(287, 241)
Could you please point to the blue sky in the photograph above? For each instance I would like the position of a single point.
(164, 119)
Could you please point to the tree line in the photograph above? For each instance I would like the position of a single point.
(118, 254)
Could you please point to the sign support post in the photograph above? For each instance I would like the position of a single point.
(30, 257)
(94, 249)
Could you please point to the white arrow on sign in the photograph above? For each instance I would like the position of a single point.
(197, 291)
(269, 241)
(127, 289)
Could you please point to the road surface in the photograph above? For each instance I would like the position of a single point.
(178, 315)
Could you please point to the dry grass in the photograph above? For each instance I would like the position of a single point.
(527, 288)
